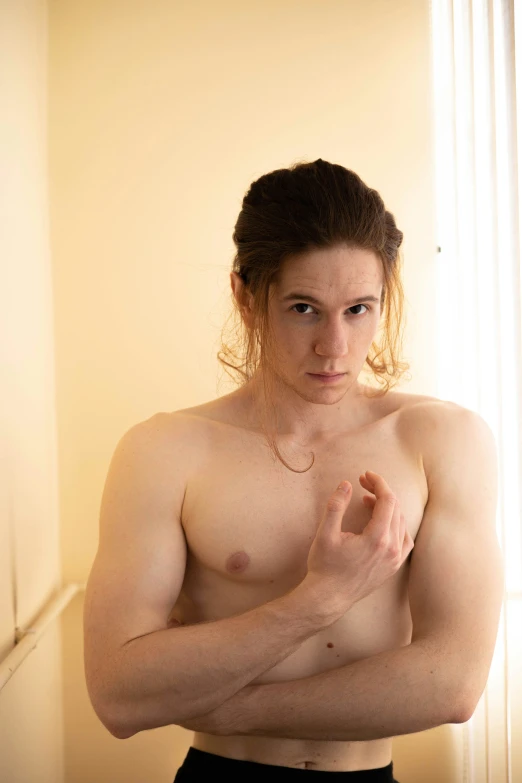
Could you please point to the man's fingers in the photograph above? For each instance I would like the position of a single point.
(378, 484)
(395, 527)
(335, 508)
(397, 520)
(384, 508)
(402, 531)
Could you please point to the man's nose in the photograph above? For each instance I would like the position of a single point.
(333, 339)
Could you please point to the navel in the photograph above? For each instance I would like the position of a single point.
(237, 562)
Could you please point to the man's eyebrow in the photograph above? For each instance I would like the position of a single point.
(309, 298)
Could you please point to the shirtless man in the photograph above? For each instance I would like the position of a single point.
(290, 625)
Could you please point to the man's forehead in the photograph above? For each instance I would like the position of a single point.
(352, 279)
(334, 268)
(351, 272)
(348, 282)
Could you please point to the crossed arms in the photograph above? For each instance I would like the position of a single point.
(141, 675)
(456, 587)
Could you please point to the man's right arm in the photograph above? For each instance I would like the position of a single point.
(140, 673)
(175, 674)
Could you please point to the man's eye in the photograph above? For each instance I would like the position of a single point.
(360, 305)
(303, 304)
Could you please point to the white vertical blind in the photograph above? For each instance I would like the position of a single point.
(477, 71)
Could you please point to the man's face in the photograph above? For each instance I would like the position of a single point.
(334, 333)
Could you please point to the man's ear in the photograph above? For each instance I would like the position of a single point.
(243, 297)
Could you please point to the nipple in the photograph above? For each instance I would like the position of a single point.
(237, 562)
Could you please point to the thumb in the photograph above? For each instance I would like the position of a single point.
(335, 508)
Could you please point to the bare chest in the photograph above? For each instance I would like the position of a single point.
(249, 521)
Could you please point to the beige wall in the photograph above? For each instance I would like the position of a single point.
(160, 116)
(31, 720)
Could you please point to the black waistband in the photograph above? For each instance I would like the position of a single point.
(199, 764)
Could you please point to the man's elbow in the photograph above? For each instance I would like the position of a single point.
(127, 720)
(463, 704)
(111, 720)
(120, 724)
(113, 723)
(121, 733)
(454, 697)
(462, 713)
(467, 703)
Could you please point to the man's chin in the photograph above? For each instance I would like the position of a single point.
(322, 395)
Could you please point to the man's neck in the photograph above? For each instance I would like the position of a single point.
(291, 416)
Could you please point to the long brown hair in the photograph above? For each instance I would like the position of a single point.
(286, 213)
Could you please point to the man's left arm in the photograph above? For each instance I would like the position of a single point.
(456, 585)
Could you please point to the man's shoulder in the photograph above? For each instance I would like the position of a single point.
(407, 400)
(436, 427)
(423, 412)
(409, 408)
(178, 434)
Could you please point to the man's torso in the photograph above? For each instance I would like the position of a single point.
(249, 523)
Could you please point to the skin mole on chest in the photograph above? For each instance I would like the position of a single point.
(237, 562)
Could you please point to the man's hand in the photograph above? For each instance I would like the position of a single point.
(348, 566)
